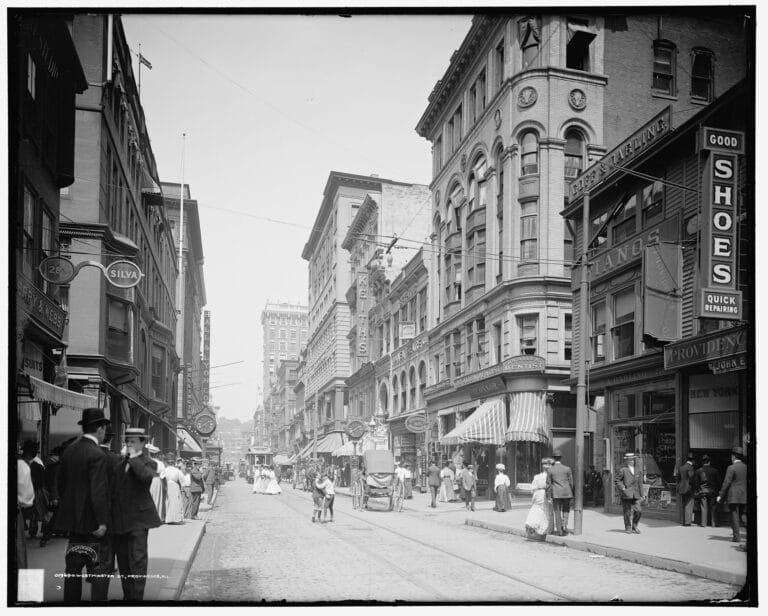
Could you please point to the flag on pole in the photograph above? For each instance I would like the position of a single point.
(144, 61)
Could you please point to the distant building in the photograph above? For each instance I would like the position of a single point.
(387, 207)
(189, 331)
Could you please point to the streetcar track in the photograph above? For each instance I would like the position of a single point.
(433, 547)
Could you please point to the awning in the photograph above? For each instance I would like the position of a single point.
(348, 449)
(330, 442)
(292, 459)
(307, 449)
(48, 392)
(282, 460)
(530, 419)
(190, 444)
(29, 409)
(449, 411)
(485, 425)
(580, 34)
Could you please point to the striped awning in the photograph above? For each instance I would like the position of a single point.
(48, 392)
(330, 442)
(307, 451)
(485, 425)
(189, 444)
(529, 417)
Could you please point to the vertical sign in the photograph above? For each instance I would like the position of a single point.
(362, 314)
(188, 388)
(718, 297)
(206, 364)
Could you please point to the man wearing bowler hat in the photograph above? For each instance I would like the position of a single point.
(560, 487)
(84, 509)
(685, 488)
(133, 513)
(734, 490)
(629, 483)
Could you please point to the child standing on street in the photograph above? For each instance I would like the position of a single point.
(325, 485)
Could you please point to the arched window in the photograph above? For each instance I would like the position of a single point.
(529, 160)
(412, 384)
(403, 399)
(574, 153)
(384, 399)
(395, 392)
(422, 382)
(472, 192)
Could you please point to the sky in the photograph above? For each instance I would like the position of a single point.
(270, 104)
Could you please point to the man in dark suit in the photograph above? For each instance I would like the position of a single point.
(433, 481)
(734, 490)
(560, 487)
(629, 483)
(133, 513)
(195, 489)
(707, 480)
(685, 486)
(84, 509)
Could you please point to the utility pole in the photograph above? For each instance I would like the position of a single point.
(581, 383)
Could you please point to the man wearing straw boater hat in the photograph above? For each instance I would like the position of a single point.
(84, 509)
(629, 483)
(133, 513)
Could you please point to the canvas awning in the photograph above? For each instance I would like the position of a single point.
(48, 392)
(307, 449)
(348, 449)
(486, 425)
(529, 417)
(189, 442)
(282, 460)
(330, 442)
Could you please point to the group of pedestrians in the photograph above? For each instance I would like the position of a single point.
(105, 504)
(265, 481)
(552, 491)
(444, 484)
(702, 488)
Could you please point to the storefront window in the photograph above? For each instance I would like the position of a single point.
(713, 411)
(625, 406)
(598, 332)
(527, 460)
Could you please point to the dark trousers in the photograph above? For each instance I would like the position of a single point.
(194, 504)
(328, 504)
(632, 511)
(93, 555)
(708, 509)
(469, 499)
(209, 489)
(132, 560)
(737, 510)
(562, 508)
(687, 501)
(433, 490)
(186, 498)
(21, 541)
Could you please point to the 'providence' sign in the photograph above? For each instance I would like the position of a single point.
(708, 348)
(623, 153)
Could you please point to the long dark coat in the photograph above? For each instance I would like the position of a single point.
(83, 488)
(132, 504)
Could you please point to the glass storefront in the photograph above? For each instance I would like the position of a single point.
(642, 421)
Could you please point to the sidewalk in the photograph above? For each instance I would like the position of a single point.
(703, 552)
(172, 549)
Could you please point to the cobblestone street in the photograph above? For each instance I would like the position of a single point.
(259, 547)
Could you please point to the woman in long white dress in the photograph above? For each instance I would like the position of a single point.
(260, 480)
(539, 521)
(272, 486)
(447, 477)
(174, 503)
(157, 487)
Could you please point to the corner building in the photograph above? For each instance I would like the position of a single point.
(528, 102)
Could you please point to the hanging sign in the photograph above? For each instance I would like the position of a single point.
(57, 270)
(416, 424)
(718, 297)
(123, 274)
(356, 428)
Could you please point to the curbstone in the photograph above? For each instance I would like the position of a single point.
(657, 562)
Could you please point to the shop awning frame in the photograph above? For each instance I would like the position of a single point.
(330, 442)
(530, 419)
(189, 441)
(48, 392)
(487, 425)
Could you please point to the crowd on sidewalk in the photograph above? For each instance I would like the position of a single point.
(104, 503)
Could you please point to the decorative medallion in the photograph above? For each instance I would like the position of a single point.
(577, 99)
(527, 97)
(463, 163)
(497, 118)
